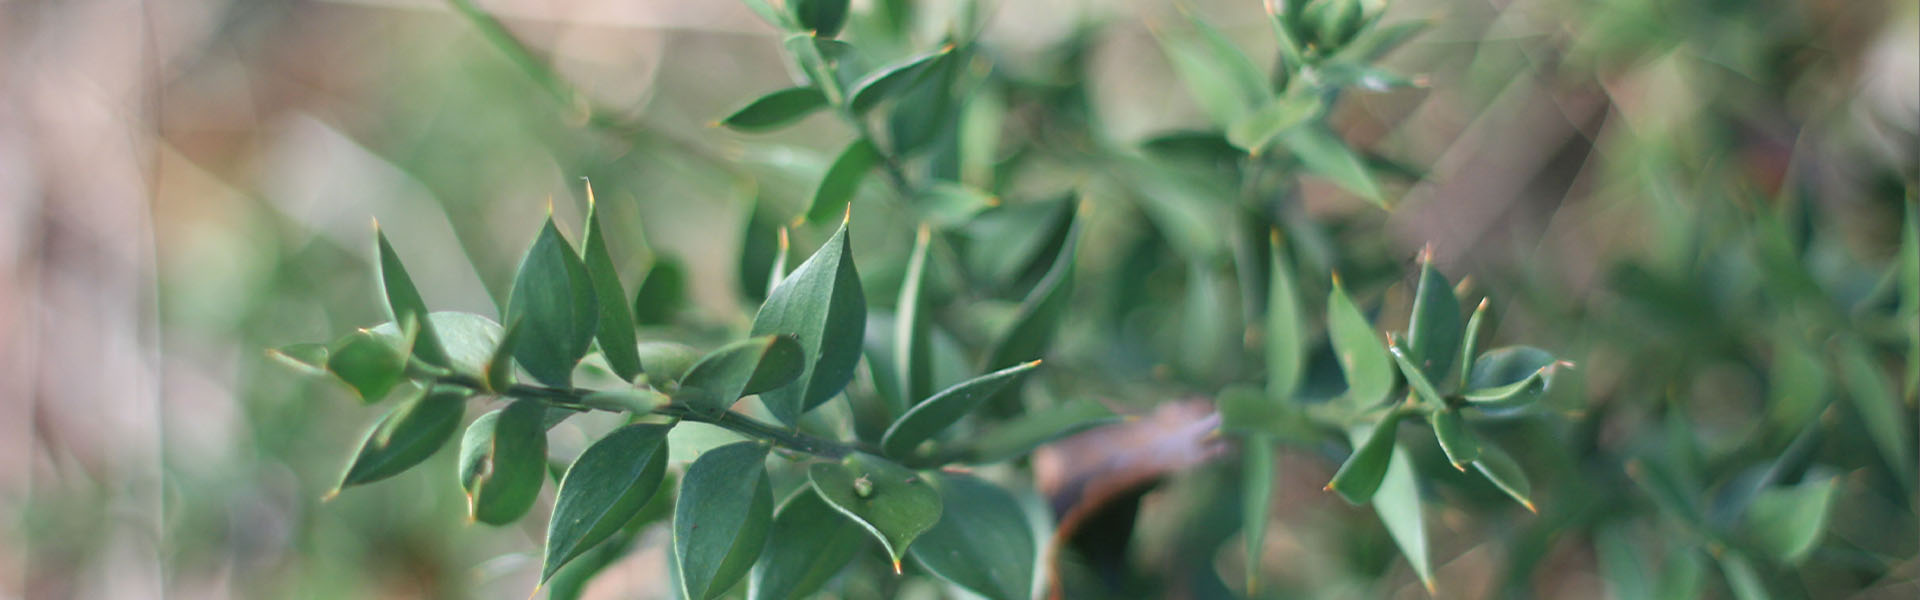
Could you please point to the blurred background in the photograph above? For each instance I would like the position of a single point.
(184, 184)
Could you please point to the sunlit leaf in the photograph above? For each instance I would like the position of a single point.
(369, 363)
(1254, 131)
(912, 341)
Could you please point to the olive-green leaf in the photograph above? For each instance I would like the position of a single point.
(1505, 473)
(1286, 334)
(615, 325)
(405, 437)
(1459, 443)
(1368, 368)
(821, 303)
(1324, 153)
(841, 180)
(369, 363)
(823, 17)
(1360, 476)
(739, 369)
(666, 362)
(935, 414)
(1015, 438)
(1434, 331)
(1254, 131)
(892, 503)
(1880, 411)
(553, 299)
(1257, 502)
(982, 543)
(890, 80)
(604, 488)
(662, 292)
(1398, 503)
(776, 110)
(1787, 522)
(808, 543)
(503, 462)
(468, 341)
(912, 341)
(404, 302)
(720, 521)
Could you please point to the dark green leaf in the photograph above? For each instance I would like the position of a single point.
(1433, 332)
(604, 489)
(1038, 319)
(615, 325)
(553, 299)
(947, 204)
(1398, 503)
(1909, 266)
(404, 302)
(503, 462)
(572, 579)
(912, 341)
(1879, 410)
(1360, 476)
(1016, 438)
(893, 79)
(1415, 379)
(773, 16)
(776, 110)
(1257, 505)
(369, 363)
(1787, 522)
(468, 341)
(1745, 582)
(662, 293)
(1323, 152)
(841, 180)
(1286, 334)
(759, 242)
(1221, 78)
(1368, 368)
(500, 366)
(823, 17)
(745, 367)
(1459, 443)
(1500, 468)
(935, 414)
(720, 522)
(809, 543)
(982, 543)
(666, 361)
(821, 303)
(897, 504)
(1254, 131)
(1470, 343)
(1509, 377)
(407, 436)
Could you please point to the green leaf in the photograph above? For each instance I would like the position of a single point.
(776, 110)
(1909, 265)
(503, 462)
(1368, 369)
(1505, 473)
(773, 16)
(404, 302)
(1470, 343)
(720, 521)
(407, 436)
(666, 361)
(1359, 478)
(1220, 78)
(1415, 379)
(1324, 153)
(982, 543)
(1254, 131)
(615, 325)
(1433, 332)
(760, 240)
(1797, 384)
(604, 489)
(662, 292)
(1286, 334)
(947, 204)
(893, 79)
(1787, 522)
(823, 17)
(1038, 318)
(739, 369)
(1398, 503)
(553, 299)
(897, 504)
(912, 340)
(572, 579)
(821, 303)
(1746, 583)
(808, 543)
(307, 358)
(1374, 42)
(1509, 377)
(1257, 505)
(369, 363)
(1880, 411)
(935, 414)
(468, 341)
(841, 180)
(1459, 443)
(1244, 409)
(500, 366)
(1015, 438)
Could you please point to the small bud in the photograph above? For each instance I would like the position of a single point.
(863, 487)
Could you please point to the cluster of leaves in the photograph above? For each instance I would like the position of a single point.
(856, 416)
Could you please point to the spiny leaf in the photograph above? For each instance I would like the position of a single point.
(666, 362)
(662, 292)
(604, 489)
(1433, 333)
(935, 414)
(503, 462)
(1257, 505)
(808, 543)
(823, 17)
(739, 369)
(893, 79)
(1369, 371)
(1324, 153)
(776, 110)
(894, 504)
(1286, 334)
(1787, 522)
(1254, 131)
(1879, 410)
(1415, 378)
(404, 302)
(912, 342)
(615, 325)
(1459, 443)
(467, 340)
(407, 436)
(372, 365)
(821, 303)
(720, 521)
(1360, 476)
(1012, 439)
(1398, 503)
(982, 543)
(1505, 473)
(1469, 344)
(553, 298)
(841, 180)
